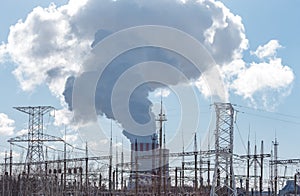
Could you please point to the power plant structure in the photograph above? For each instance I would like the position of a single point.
(151, 169)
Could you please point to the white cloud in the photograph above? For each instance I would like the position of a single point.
(6, 125)
(63, 117)
(263, 76)
(3, 52)
(71, 138)
(162, 93)
(45, 48)
(265, 82)
(232, 69)
(268, 50)
(22, 132)
(74, 6)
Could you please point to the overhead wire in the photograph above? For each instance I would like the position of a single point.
(271, 118)
(241, 138)
(268, 117)
(262, 110)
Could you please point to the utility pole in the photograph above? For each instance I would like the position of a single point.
(176, 180)
(182, 169)
(100, 181)
(248, 169)
(255, 168)
(256, 159)
(154, 174)
(164, 162)
(295, 184)
(276, 144)
(110, 161)
(182, 166)
(86, 168)
(208, 165)
(271, 172)
(117, 172)
(208, 172)
(46, 167)
(122, 168)
(65, 157)
(114, 181)
(5, 183)
(261, 168)
(10, 161)
(136, 169)
(195, 159)
(200, 170)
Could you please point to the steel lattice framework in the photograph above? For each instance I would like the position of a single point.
(224, 151)
(35, 136)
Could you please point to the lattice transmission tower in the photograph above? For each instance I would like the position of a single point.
(223, 179)
(35, 136)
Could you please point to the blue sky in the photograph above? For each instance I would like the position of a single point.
(263, 21)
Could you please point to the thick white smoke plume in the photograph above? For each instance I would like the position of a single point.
(52, 43)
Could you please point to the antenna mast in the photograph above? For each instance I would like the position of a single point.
(161, 119)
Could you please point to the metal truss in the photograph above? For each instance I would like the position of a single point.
(224, 151)
(35, 139)
(35, 136)
(285, 162)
